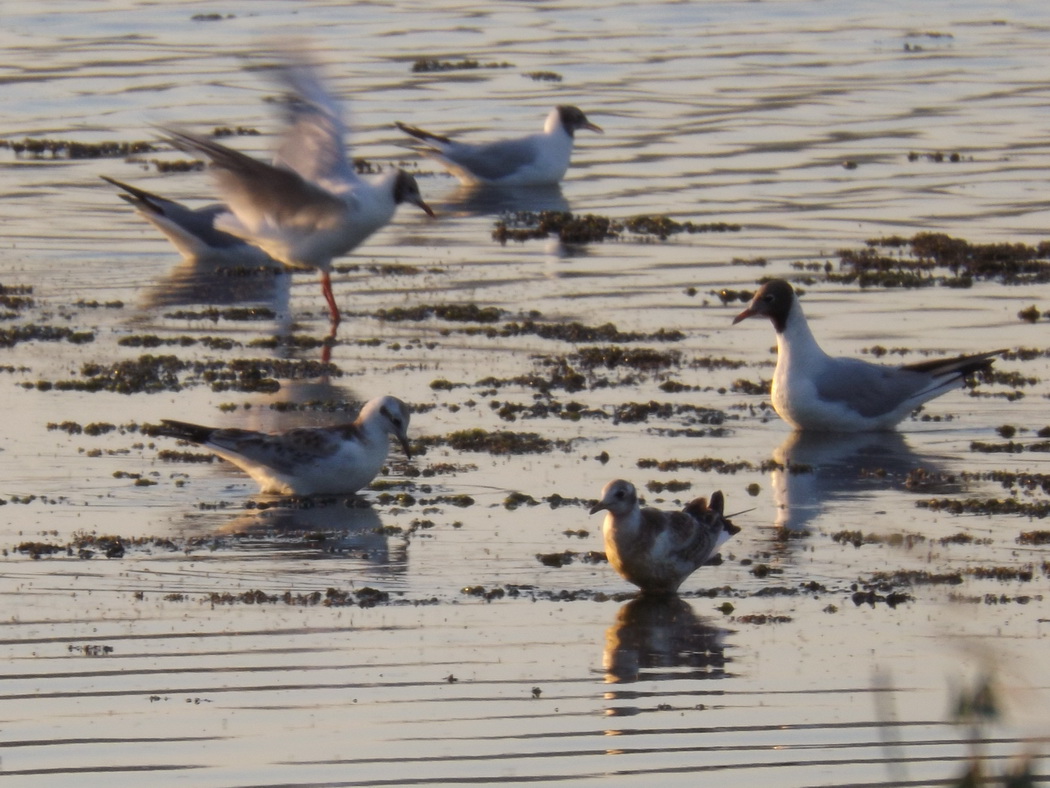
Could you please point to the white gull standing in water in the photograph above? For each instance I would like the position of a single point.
(815, 391)
(308, 460)
(539, 159)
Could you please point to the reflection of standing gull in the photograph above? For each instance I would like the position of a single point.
(536, 160)
(662, 632)
(483, 200)
(309, 460)
(310, 206)
(658, 550)
(831, 466)
(815, 391)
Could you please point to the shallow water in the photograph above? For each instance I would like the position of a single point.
(167, 665)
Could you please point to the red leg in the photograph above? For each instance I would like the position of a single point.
(326, 288)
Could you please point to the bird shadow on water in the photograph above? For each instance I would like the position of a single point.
(817, 469)
(654, 637)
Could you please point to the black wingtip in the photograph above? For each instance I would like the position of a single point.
(183, 430)
(420, 134)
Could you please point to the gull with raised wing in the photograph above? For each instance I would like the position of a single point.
(658, 550)
(309, 460)
(310, 206)
(536, 160)
(191, 230)
(814, 391)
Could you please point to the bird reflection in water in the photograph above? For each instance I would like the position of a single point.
(321, 527)
(654, 637)
(821, 468)
(481, 200)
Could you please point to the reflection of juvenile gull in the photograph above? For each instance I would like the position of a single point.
(658, 550)
(821, 467)
(815, 391)
(192, 231)
(310, 206)
(309, 460)
(339, 527)
(534, 160)
(662, 632)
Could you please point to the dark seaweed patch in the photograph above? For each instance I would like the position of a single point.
(9, 337)
(1034, 537)
(588, 228)
(152, 374)
(986, 506)
(460, 313)
(34, 148)
(918, 262)
(498, 442)
(429, 65)
(237, 314)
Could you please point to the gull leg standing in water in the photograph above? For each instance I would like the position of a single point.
(658, 550)
(310, 460)
(536, 160)
(309, 206)
(815, 391)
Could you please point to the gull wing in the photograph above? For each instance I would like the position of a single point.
(314, 144)
(874, 389)
(260, 194)
(285, 452)
(493, 161)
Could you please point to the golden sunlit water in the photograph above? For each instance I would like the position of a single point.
(417, 638)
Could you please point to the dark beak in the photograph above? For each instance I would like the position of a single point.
(405, 446)
(426, 208)
(591, 127)
(597, 507)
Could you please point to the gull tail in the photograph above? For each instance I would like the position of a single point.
(140, 198)
(712, 513)
(958, 367)
(194, 433)
(420, 134)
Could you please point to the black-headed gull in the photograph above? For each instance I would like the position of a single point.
(309, 206)
(191, 230)
(536, 160)
(815, 391)
(658, 550)
(309, 460)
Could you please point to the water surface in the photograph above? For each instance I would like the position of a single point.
(201, 657)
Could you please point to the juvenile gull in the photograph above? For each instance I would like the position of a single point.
(658, 550)
(535, 160)
(309, 460)
(190, 230)
(309, 206)
(815, 391)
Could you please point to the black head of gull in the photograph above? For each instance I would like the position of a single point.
(572, 118)
(774, 300)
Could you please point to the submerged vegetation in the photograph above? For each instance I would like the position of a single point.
(927, 259)
(588, 228)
